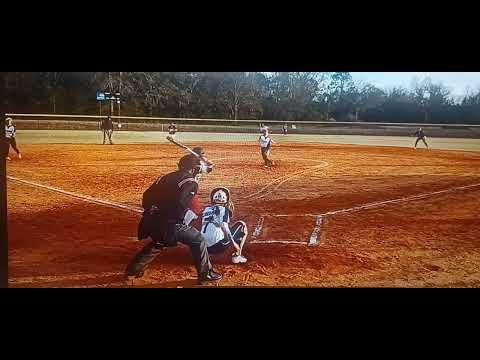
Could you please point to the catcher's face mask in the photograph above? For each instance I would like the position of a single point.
(224, 189)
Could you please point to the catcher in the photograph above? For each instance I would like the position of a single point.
(219, 236)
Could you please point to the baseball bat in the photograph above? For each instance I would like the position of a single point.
(173, 141)
(203, 159)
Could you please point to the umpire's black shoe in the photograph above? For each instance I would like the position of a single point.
(136, 274)
(210, 276)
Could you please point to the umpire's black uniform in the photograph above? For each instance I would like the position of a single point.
(166, 203)
(107, 127)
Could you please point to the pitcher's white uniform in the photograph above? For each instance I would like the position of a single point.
(265, 144)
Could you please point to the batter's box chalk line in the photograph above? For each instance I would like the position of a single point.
(258, 228)
(316, 232)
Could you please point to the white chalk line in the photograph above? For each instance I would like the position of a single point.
(274, 181)
(53, 278)
(258, 228)
(256, 158)
(277, 242)
(306, 172)
(376, 204)
(284, 176)
(316, 231)
(403, 199)
(115, 205)
(85, 198)
(281, 180)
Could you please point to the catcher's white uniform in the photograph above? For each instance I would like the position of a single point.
(212, 219)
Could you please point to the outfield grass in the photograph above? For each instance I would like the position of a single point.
(132, 137)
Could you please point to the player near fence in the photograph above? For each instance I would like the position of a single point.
(216, 229)
(168, 217)
(172, 129)
(420, 136)
(285, 129)
(107, 128)
(265, 148)
(10, 131)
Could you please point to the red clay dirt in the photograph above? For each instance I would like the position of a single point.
(59, 241)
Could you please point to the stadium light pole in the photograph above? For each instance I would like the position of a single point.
(328, 107)
(426, 98)
(118, 96)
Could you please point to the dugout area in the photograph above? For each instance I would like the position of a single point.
(430, 237)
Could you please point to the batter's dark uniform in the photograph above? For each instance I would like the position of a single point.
(420, 136)
(169, 199)
(107, 127)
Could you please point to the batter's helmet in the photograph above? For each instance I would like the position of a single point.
(189, 162)
(199, 151)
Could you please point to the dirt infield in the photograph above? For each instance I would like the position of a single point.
(57, 239)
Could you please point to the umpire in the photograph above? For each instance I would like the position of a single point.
(167, 217)
(107, 127)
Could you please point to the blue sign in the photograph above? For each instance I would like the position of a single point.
(100, 96)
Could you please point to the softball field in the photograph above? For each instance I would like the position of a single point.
(333, 212)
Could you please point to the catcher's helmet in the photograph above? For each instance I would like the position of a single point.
(189, 162)
(220, 195)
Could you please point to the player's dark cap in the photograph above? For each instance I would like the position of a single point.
(198, 150)
(188, 162)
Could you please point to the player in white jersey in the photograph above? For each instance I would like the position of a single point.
(10, 135)
(263, 128)
(216, 229)
(265, 145)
